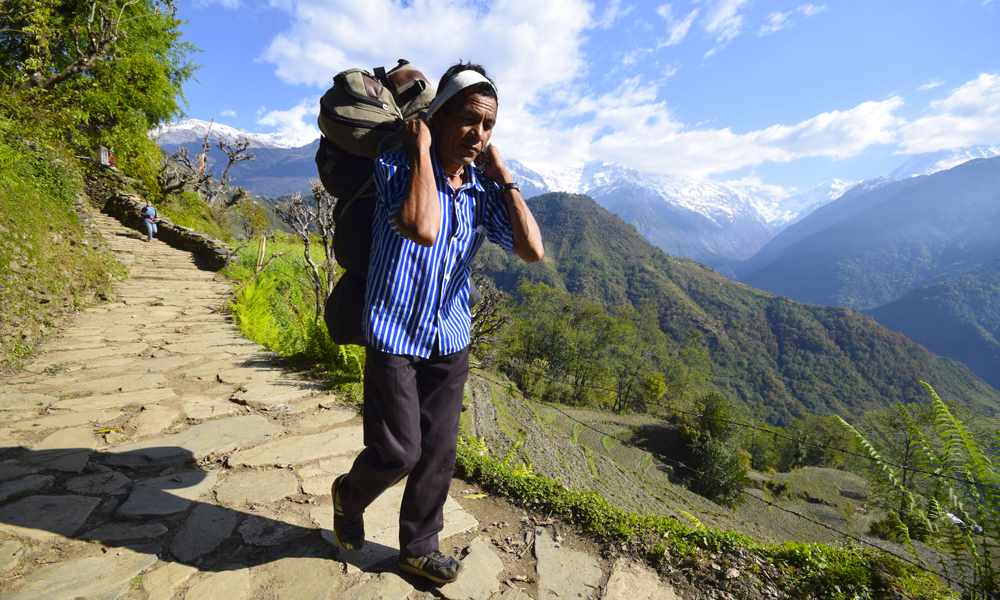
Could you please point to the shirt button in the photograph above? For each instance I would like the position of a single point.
(446, 276)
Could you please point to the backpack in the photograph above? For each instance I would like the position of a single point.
(358, 118)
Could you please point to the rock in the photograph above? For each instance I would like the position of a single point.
(323, 420)
(387, 586)
(104, 577)
(299, 449)
(317, 479)
(478, 579)
(24, 401)
(46, 517)
(108, 401)
(67, 450)
(271, 395)
(264, 531)
(11, 471)
(382, 527)
(11, 554)
(31, 483)
(257, 487)
(290, 584)
(163, 583)
(127, 531)
(204, 530)
(632, 581)
(221, 435)
(226, 585)
(166, 495)
(83, 356)
(71, 419)
(201, 408)
(732, 573)
(110, 483)
(152, 420)
(563, 573)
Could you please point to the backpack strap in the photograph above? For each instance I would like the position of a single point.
(381, 76)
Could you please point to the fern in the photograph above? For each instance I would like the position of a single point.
(960, 520)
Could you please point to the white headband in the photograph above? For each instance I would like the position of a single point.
(459, 82)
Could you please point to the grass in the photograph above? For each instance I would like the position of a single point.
(46, 270)
(278, 311)
(813, 570)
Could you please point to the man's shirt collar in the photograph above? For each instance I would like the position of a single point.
(470, 176)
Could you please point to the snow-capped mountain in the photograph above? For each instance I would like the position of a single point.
(932, 162)
(190, 131)
(790, 209)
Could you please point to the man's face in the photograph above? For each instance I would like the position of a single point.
(464, 132)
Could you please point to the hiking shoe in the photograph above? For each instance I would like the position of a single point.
(436, 566)
(350, 535)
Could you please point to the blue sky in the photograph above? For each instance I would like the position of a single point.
(785, 93)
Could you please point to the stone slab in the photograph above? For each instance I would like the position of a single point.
(225, 585)
(269, 395)
(323, 420)
(169, 363)
(204, 530)
(478, 579)
(105, 577)
(152, 420)
(386, 586)
(633, 581)
(83, 356)
(257, 487)
(295, 450)
(31, 483)
(562, 572)
(67, 450)
(265, 532)
(10, 401)
(201, 408)
(220, 435)
(164, 582)
(166, 495)
(212, 369)
(303, 579)
(46, 517)
(68, 419)
(12, 471)
(382, 527)
(98, 484)
(129, 382)
(11, 554)
(127, 531)
(203, 347)
(317, 479)
(108, 401)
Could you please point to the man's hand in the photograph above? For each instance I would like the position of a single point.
(415, 136)
(492, 164)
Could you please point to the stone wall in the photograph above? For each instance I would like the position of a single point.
(125, 205)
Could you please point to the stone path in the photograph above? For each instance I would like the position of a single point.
(150, 452)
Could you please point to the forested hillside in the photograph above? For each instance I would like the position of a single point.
(958, 318)
(786, 357)
(937, 227)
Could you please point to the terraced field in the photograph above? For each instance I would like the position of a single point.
(593, 450)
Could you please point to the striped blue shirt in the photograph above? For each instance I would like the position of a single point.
(416, 295)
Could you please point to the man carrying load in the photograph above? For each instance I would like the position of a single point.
(434, 208)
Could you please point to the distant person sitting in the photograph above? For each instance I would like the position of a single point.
(148, 213)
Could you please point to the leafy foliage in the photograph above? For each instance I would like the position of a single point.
(957, 509)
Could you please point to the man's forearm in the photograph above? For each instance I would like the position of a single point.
(527, 237)
(419, 215)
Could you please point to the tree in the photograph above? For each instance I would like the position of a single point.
(178, 172)
(102, 71)
(297, 213)
(489, 318)
(251, 218)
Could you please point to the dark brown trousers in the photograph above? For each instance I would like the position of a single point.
(411, 413)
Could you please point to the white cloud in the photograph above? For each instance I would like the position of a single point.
(969, 116)
(228, 113)
(528, 47)
(612, 13)
(775, 22)
(811, 10)
(722, 20)
(298, 121)
(676, 28)
(930, 85)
